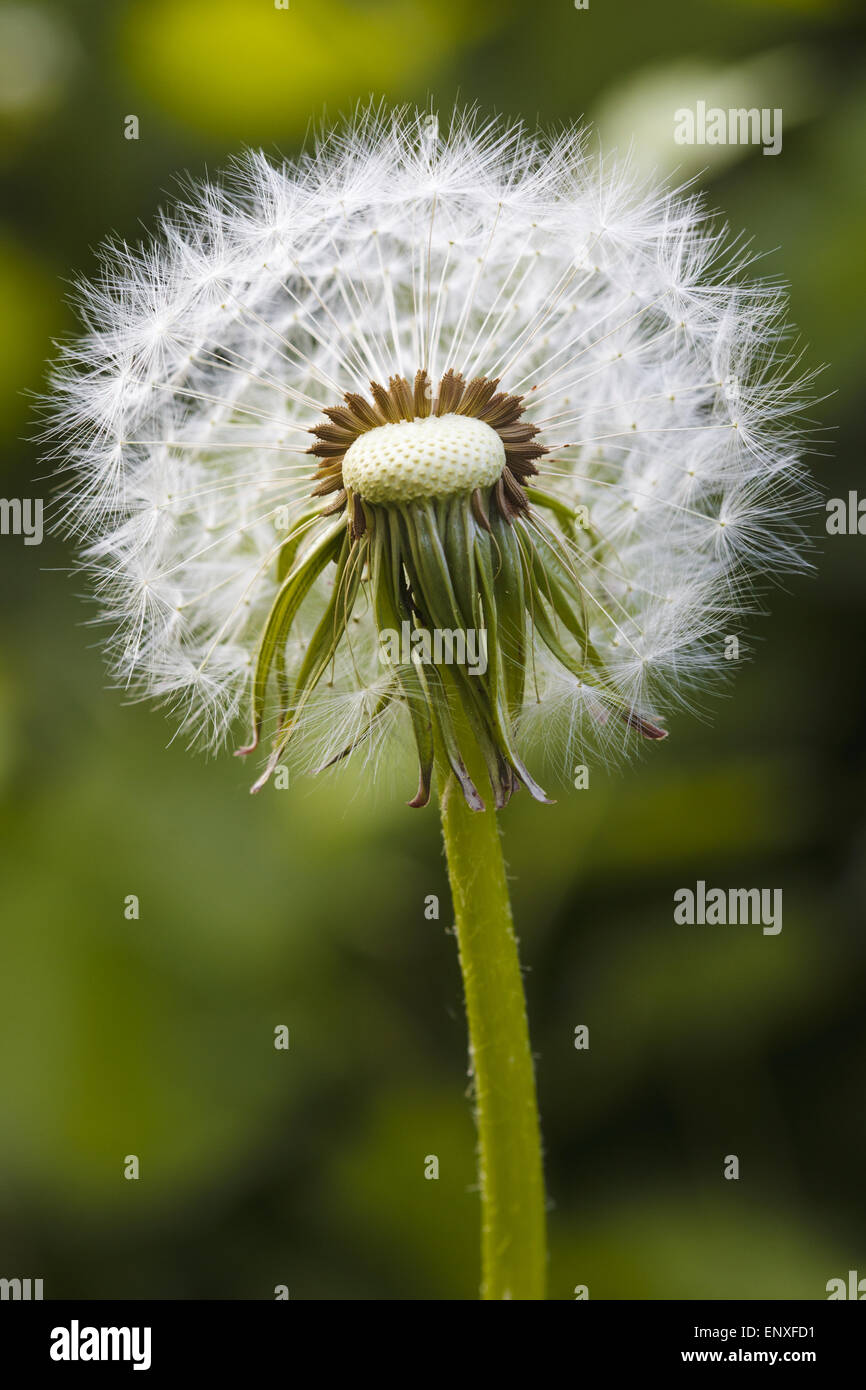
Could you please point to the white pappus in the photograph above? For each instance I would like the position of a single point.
(619, 463)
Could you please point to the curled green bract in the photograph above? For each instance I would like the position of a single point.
(454, 566)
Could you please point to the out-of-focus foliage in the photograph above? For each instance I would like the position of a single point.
(245, 71)
(38, 52)
(305, 907)
(31, 314)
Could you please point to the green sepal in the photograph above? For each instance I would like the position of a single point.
(284, 610)
(290, 546)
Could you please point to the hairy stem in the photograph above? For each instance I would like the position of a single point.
(513, 1251)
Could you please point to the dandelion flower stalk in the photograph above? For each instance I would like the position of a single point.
(513, 1249)
(424, 391)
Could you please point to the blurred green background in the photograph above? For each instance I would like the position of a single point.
(306, 907)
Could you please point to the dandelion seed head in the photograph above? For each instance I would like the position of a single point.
(518, 343)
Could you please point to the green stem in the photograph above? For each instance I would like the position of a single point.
(513, 1251)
